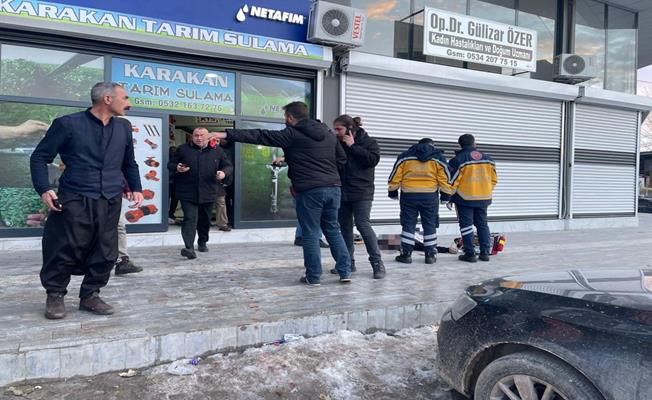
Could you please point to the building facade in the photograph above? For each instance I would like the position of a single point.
(566, 153)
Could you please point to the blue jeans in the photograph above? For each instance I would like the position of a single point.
(467, 217)
(298, 233)
(318, 208)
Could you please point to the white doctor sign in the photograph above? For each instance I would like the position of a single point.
(465, 38)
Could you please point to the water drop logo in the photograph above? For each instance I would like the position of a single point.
(242, 13)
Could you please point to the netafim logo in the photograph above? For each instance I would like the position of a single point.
(268, 13)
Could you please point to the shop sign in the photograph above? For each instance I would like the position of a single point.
(268, 14)
(465, 38)
(144, 27)
(261, 17)
(171, 87)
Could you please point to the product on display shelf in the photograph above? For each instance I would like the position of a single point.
(135, 215)
(151, 162)
(152, 176)
(152, 130)
(148, 194)
(151, 144)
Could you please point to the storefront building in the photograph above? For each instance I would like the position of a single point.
(566, 154)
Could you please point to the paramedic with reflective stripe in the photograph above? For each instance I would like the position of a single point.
(473, 178)
(420, 172)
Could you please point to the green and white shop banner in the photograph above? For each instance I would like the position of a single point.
(121, 27)
(172, 87)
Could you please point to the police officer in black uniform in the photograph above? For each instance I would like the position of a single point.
(80, 235)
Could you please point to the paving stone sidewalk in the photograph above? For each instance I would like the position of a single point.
(239, 295)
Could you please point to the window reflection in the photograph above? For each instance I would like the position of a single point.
(263, 199)
(621, 51)
(51, 74)
(540, 15)
(381, 19)
(22, 126)
(494, 10)
(590, 36)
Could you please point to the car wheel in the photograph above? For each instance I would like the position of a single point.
(532, 376)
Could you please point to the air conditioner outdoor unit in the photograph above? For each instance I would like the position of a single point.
(573, 68)
(334, 24)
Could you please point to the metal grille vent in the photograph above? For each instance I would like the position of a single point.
(574, 65)
(335, 22)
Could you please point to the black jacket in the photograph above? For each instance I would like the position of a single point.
(96, 156)
(199, 184)
(358, 172)
(311, 152)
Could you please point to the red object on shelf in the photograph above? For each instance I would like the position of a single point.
(148, 194)
(152, 176)
(135, 215)
(151, 144)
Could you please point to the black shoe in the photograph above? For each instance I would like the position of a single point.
(484, 257)
(202, 247)
(431, 258)
(96, 305)
(298, 241)
(353, 268)
(125, 266)
(323, 244)
(379, 269)
(346, 279)
(404, 258)
(468, 258)
(54, 307)
(189, 253)
(225, 228)
(304, 280)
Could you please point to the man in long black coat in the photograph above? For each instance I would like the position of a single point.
(198, 170)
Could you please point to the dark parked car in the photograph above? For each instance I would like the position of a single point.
(575, 335)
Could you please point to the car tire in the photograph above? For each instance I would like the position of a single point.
(535, 369)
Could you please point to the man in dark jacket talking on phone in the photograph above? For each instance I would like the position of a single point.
(313, 156)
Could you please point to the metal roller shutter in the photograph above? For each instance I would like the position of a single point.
(604, 175)
(608, 129)
(393, 109)
(516, 194)
(603, 189)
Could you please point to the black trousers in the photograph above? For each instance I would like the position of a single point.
(360, 212)
(174, 202)
(196, 218)
(82, 239)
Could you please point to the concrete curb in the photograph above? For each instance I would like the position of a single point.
(70, 359)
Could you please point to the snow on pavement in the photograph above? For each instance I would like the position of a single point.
(339, 366)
